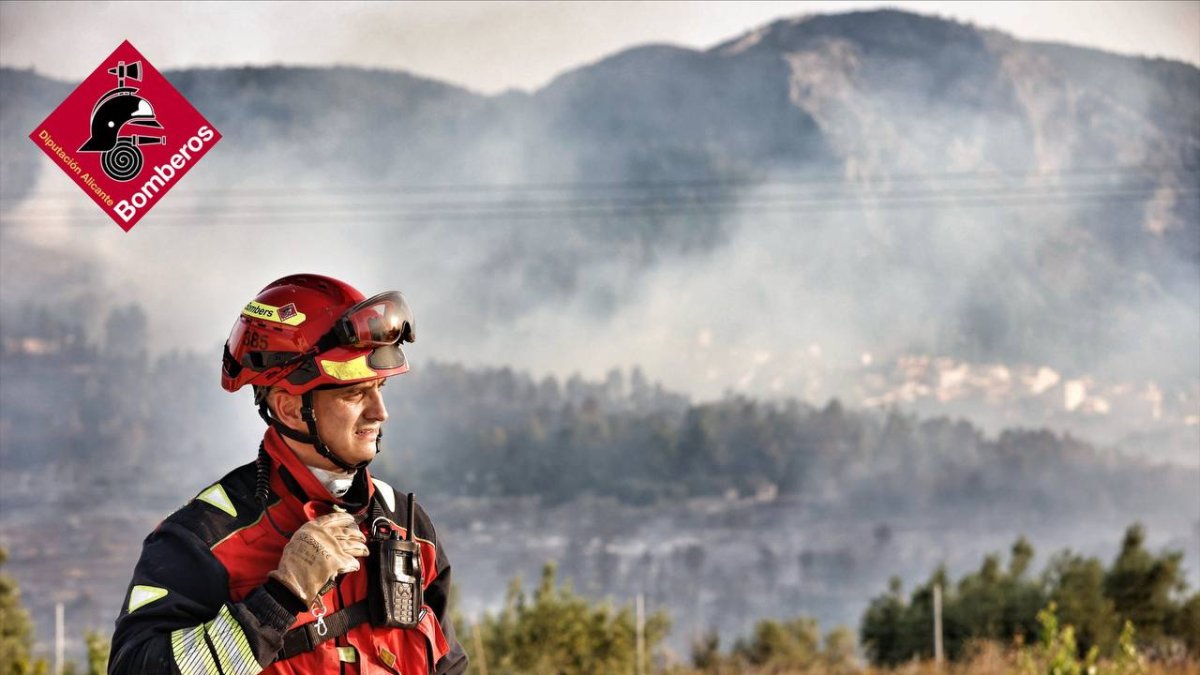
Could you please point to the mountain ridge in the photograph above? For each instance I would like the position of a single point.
(797, 20)
(859, 187)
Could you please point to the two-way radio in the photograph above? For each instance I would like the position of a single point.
(395, 595)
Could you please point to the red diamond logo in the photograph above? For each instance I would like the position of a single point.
(125, 136)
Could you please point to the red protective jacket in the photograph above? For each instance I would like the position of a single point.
(200, 601)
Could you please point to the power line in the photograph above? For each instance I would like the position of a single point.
(346, 216)
(643, 203)
(765, 193)
(716, 199)
(778, 178)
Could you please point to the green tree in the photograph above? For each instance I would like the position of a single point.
(557, 632)
(16, 631)
(1098, 610)
(1141, 585)
(779, 646)
(1077, 588)
(881, 631)
(1057, 648)
(792, 644)
(840, 651)
(994, 603)
(1185, 624)
(97, 652)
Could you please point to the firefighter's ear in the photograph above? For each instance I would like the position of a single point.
(286, 408)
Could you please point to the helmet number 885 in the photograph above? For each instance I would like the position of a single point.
(254, 340)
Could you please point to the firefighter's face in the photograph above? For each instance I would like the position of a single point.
(349, 420)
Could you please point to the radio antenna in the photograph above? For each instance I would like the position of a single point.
(409, 530)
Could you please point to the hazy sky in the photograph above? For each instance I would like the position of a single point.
(493, 46)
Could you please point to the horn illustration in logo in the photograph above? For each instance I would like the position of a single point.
(118, 108)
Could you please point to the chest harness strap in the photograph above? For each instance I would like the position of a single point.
(305, 638)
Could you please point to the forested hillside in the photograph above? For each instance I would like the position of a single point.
(499, 433)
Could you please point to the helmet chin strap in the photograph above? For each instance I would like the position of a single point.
(312, 437)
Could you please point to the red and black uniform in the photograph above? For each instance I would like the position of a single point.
(200, 601)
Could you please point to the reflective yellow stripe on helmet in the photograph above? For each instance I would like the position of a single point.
(288, 314)
(354, 369)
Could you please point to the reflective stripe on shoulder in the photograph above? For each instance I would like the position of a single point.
(385, 491)
(140, 596)
(215, 495)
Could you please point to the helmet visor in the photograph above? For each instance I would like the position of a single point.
(379, 321)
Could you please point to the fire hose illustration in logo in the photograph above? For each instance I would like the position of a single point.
(118, 109)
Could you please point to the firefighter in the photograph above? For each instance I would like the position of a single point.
(269, 568)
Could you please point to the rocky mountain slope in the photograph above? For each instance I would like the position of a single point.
(865, 187)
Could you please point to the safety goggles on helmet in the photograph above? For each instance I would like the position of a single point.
(378, 321)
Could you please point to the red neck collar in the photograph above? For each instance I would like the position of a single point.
(313, 489)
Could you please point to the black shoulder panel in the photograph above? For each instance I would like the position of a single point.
(221, 508)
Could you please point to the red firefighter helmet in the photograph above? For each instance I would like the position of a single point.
(306, 330)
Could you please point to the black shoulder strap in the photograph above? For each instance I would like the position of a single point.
(306, 638)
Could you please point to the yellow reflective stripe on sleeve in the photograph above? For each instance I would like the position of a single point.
(192, 655)
(233, 649)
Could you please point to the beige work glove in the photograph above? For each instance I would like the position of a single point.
(319, 551)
